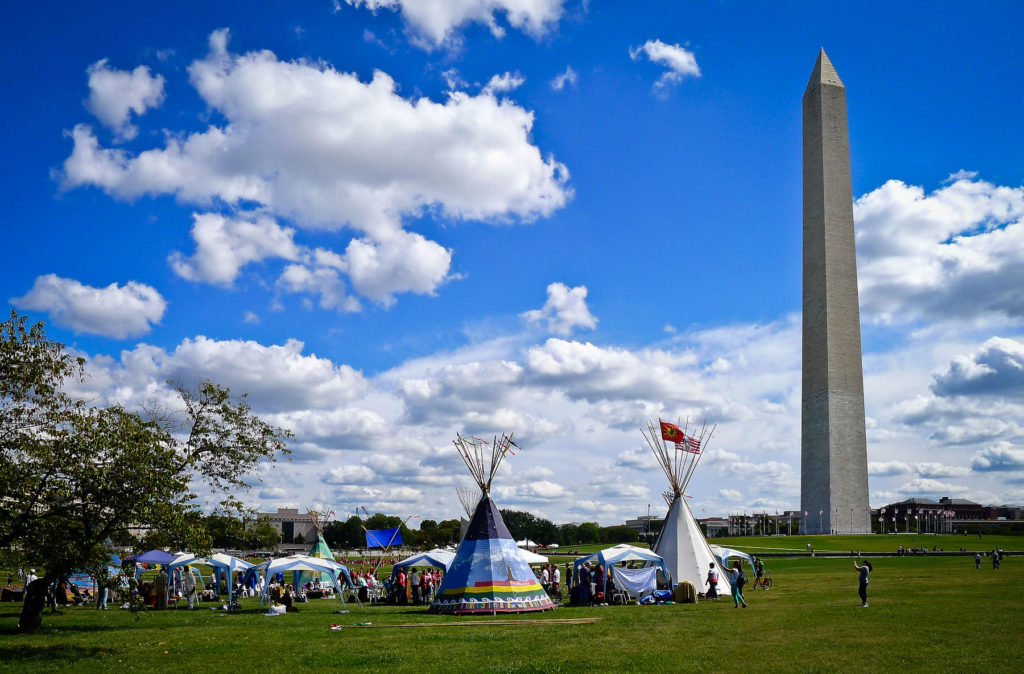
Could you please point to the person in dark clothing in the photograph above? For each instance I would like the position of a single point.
(864, 570)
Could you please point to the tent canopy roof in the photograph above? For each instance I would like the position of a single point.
(152, 557)
(622, 553)
(436, 557)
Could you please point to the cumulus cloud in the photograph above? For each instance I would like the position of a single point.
(926, 486)
(115, 94)
(322, 281)
(114, 311)
(323, 149)
(1000, 457)
(565, 309)
(954, 254)
(679, 61)
(996, 368)
(435, 23)
(564, 79)
(224, 245)
(504, 82)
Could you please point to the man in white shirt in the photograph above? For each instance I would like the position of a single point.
(556, 579)
(188, 583)
(30, 577)
(414, 583)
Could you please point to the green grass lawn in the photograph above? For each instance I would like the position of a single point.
(925, 613)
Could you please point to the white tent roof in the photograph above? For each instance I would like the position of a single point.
(725, 553)
(229, 562)
(436, 557)
(622, 553)
(687, 555)
(532, 557)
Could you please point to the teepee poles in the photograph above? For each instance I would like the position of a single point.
(483, 469)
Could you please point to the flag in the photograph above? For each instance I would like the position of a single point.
(694, 445)
(671, 432)
(807, 514)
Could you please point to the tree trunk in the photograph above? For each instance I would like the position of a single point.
(35, 601)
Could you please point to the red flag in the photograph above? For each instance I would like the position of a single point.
(671, 432)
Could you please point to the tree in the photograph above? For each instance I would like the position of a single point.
(347, 534)
(74, 476)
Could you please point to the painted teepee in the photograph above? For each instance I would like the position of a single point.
(487, 574)
(469, 496)
(320, 516)
(681, 542)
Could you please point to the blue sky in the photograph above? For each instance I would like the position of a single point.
(391, 220)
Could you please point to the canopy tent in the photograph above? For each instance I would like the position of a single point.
(229, 565)
(188, 559)
(724, 554)
(441, 559)
(532, 557)
(681, 542)
(620, 554)
(487, 574)
(305, 563)
(320, 550)
(149, 557)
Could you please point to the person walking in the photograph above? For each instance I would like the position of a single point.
(735, 573)
(864, 570)
(712, 582)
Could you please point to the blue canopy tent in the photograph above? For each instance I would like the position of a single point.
(150, 557)
(619, 554)
(188, 559)
(229, 565)
(306, 563)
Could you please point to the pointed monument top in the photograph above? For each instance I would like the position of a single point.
(824, 72)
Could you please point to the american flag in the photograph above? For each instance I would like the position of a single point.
(694, 445)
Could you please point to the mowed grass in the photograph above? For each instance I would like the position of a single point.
(935, 613)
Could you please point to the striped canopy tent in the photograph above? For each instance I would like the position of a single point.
(305, 564)
(619, 554)
(229, 565)
(488, 575)
(320, 550)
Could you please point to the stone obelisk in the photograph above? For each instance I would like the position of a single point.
(833, 468)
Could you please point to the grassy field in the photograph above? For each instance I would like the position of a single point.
(935, 613)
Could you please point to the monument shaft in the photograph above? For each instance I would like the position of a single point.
(834, 479)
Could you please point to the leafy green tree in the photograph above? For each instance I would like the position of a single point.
(74, 476)
(260, 535)
(347, 534)
(589, 532)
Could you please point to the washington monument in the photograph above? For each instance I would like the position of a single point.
(833, 464)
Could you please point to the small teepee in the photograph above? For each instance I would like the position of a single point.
(681, 542)
(320, 516)
(487, 574)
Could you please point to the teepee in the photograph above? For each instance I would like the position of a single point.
(320, 516)
(680, 542)
(487, 574)
(469, 496)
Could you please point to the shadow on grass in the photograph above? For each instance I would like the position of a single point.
(26, 656)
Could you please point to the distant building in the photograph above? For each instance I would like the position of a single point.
(715, 526)
(646, 523)
(296, 529)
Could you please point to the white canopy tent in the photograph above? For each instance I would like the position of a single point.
(725, 554)
(219, 562)
(619, 554)
(441, 559)
(304, 563)
(532, 557)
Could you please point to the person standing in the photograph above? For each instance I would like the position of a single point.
(862, 588)
(741, 579)
(556, 577)
(414, 582)
(712, 582)
(160, 589)
(584, 584)
(188, 586)
(977, 560)
(737, 589)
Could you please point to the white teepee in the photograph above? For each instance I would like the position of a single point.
(681, 542)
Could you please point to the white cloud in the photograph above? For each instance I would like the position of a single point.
(926, 486)
(1000, 457)
(115, 94)
(565, 309)
(322, 281)
(435, 23)
(113, 311)
(730, 494)
(350, 475)
(322, 149)
(679, 61)
(504, 82)
(996, 368)
(224, 245)
(564, 79)
(954, 254)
